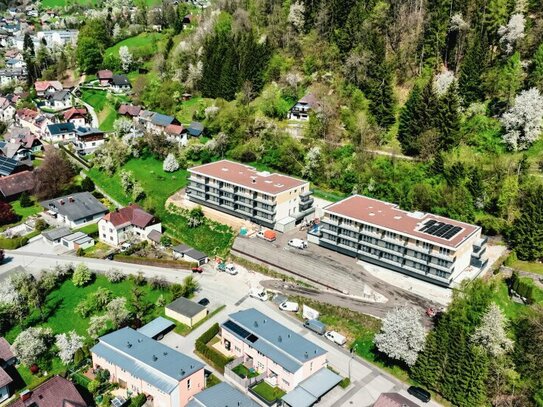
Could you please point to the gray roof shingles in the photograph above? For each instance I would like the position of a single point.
(76, 206)
(146, 359)
(186, 307)
(221, 395)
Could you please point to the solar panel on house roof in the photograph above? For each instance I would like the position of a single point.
(440, 229)
(7, 165)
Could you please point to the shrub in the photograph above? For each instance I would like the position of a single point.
(82, 275)
(94, 386)
(87, 184)
(209, 334)
(80, 252)
(7, 215)
(138, 401)
(25, 200)
(114, 275)
(138, 279)
(511, 259)
(12, 244)
(41, 225)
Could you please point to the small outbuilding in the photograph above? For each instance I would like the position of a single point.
(186, 311)
(77, 240)
(54, 236)
(189, 254)
(157, 328)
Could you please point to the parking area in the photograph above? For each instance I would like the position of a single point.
(38, 245)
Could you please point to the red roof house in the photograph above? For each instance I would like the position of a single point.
(129, 110)
(55, 392)
(105, 76)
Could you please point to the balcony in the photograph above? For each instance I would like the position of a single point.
(260, 198)
(397, 263)
(395, 252)
(416, 248)
(329, 231)
(227, 198)
(440, 267)
(368, 254)
(478, 254)
(245, 194)
(351, 238)
(374, 234)
(242, 372)
(417, 259)
(352, 228)
(442, 256)
(481, 242)
(196, 186)
(414, 270)
(271, 210)
(353, 250)
(326, 239)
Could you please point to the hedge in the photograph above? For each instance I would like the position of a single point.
(146, 261)
(523, 287)
(14, 243)
(215, 358)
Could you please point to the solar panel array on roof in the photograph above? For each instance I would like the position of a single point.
(440, 229)
(7, 165)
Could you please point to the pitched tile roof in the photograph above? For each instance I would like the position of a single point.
(5, 350)
(44, 85)
(75, 112)
(394, 400)
(120, 80)
(55, 392)
(130, 215)
(174, 129)
(5, 379)
(129, 110)
(104, 74)
(27, 114)
(16, 184)
(76, 206)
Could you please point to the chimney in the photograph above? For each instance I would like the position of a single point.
(280, 338)
(62, 201)
(155, 358)
(25, 395)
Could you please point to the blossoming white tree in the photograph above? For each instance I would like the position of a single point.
(492, 333)
(117, 311)
(97, 325)
(31, 344)
(401, 336)
(170, 163)
(511, 33)
(523, 121)
(67, 345)
(126, 58)
(8, 294)
(443, 81)
(296, 15)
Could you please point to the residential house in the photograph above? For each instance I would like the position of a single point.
(120, 84)
(32, 120)
(54, 237)
(394, 400)
(88, 139)
(13, 63)
(268, 199)
(284, 357)
(127, 223)
(7, 110)
(300, 111)
(12, 186)
(129, 111)
(77, 116)
(186, 311)
(11, 76)
(196, 129)
(44, 87)
(176, 133)
(422, 245)
(58, 38)
(7, 359)
(59, 100)
(105, 77)
(10, 166)
(58, 132)
(221, 394)
(56, 391)
(75, 210)
(142, 365)
(24, 137)
(159, 122)
(14, 150)
(189, 254)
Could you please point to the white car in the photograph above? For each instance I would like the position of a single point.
(231, 269)
(335, 337)
(298, 243)
(259, 294)
(289, 306)
(125, 246)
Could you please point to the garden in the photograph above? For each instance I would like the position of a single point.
(105, 105)
(52, 320)
(265, 391)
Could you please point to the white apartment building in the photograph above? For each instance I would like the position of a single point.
(425, 246)
(268, 199)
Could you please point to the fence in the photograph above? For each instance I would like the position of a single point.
(234, 377)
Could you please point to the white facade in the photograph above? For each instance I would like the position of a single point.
(7, 113)
(116, 236)
(58, 38)
(87, 145)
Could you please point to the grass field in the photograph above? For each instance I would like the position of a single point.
(60, 305)
(530, 267)
(187, 109)
(267, 392)
(25, 212)
(102, 102)
(142, 45)
(159, 185)
(47, 4)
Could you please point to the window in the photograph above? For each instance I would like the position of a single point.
(444, 251)
(426, 246)
(286, 383)
(188, 384)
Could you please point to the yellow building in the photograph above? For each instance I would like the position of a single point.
(186, 311)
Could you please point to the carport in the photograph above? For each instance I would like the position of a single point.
(157, 328)
(312, 389)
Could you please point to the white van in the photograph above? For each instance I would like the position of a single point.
(289, 306)
(298, 243)
(258, 293)
(335, 337)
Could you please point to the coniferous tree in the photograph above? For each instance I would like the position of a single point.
(526, 235)
(471, 69)
(435, 32)
(536, 75)
(448, 119)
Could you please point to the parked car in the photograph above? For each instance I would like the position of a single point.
(335, 337)
(419, 393)
(268, 235)
(204, 302)
(197, 270)
(298, 243)
(125, 247)
(227, 268)
(289, 306)
(316, 326)
(258, 293)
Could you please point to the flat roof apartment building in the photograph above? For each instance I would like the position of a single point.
(426, 246)
(268, 199)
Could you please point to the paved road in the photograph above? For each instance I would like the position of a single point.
(367, 380)
(325, 267)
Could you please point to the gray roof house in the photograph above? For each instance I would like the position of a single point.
(185, 307)
(76, 209)
(196, 129)
(162, 120)
(221, 395)
(189, 254)
(157, 365)
(54, 236)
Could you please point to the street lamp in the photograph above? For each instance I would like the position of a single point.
(353, 350)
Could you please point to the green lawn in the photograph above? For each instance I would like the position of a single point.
(242, 371)
(144, 44)
(212, 380)
(531, 267)
(102, 102)
(267, 392)
(26, 212)
(91, 229)
(211, 238)
(501, 298)
(187, 109)
(32, 380)
(60, 305)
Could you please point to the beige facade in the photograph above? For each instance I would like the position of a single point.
(185, 319)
